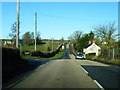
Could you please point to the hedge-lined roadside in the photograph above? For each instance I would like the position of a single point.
(57, 56)
(100, 59)
(104, 60)
(13, 64)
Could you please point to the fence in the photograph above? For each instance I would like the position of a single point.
(113, 53)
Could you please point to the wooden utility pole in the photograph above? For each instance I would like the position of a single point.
(52, 44)
(17, 22)
(35, 33)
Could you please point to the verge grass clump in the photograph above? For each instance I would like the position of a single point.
(104, 60)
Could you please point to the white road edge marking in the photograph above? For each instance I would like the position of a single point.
(42, 65)
(84, 69)
(99, 85)
(94, 80)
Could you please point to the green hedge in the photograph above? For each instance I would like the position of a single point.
(12, 63)
(44, 55)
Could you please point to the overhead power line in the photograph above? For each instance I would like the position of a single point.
(69, 18)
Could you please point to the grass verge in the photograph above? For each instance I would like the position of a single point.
(104, 60)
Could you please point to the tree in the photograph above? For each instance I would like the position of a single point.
(38, 38)
(75, 39)
(81, 40)
(106, 33)
(91, 35)
(13, 29)
(32, 38)
(13, 33)
(27, 38)
(62, 40)
(75, 36)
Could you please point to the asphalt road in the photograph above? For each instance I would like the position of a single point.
(72, 73)
(108, 76)
(58, 74)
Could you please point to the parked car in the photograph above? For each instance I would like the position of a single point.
(80, 56)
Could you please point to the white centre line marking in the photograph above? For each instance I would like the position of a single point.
(84, 69)
(99, 85)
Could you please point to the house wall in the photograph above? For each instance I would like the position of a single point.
(92, 49)
(7, 42)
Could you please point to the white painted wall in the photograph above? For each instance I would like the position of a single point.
(92, 49)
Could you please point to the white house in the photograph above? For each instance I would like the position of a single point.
(7, 41)
(92, 48)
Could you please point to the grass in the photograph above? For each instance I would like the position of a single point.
(57, 56)
(105, 60)
(41, 47)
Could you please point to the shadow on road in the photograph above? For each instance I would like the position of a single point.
(32, 65)
(107, 76)
(13, 77)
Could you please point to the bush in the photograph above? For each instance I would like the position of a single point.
(46, 55)
(12, 63)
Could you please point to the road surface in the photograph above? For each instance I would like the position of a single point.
(72, 73)
(58, 74)
(108, 76)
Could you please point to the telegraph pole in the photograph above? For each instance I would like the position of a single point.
(17, 22)
(52, 44)
(35, 29)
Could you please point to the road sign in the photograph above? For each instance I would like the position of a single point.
(21, 41)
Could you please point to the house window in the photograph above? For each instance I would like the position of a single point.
(92, 54)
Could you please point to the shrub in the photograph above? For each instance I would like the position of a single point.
(46, 55)
(12, 63)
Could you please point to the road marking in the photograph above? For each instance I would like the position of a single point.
(94, 80)
(84, 69)
(41, 66)
(99, 85)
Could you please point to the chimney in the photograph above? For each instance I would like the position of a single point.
(93, 41)
(89, 42)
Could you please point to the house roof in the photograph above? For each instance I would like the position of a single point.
(88, 45)
(91, 45)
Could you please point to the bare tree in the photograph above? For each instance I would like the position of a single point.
(106, 33)
(13, 33)
(75, 36)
